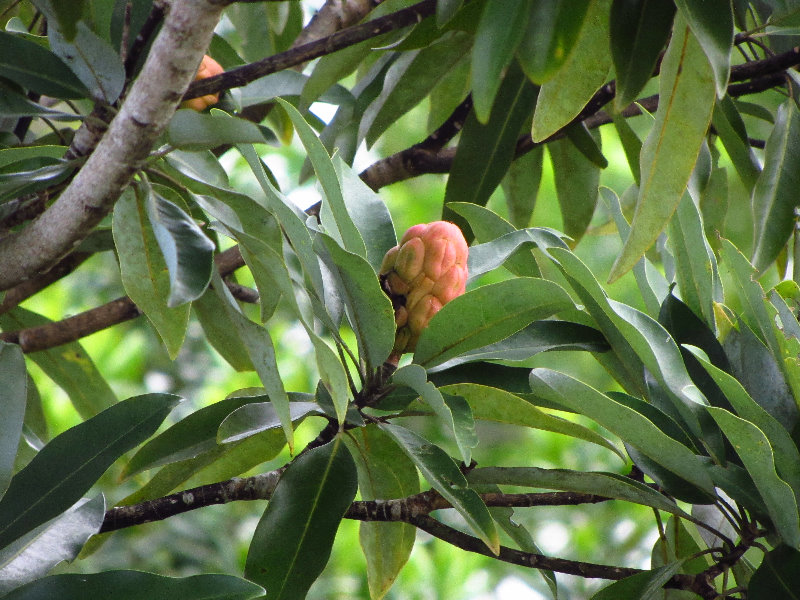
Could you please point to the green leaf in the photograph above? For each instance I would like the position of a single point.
(638, 32)
(60, 539)
(756, 454)
(670, 151)
(96, 63)
(553, 29)
(384, 471)
(586, 69)
(640, 586)
(485, 151)
(220, 332)
(493, 404)
(576, 180)
(521, 185)
(191, 130)
(369, 308)
(775, 192)
(730, 127)
(609, 485)
(64, 14)
(72, 462)
(35, 68)
(712, 25)
(446, 478)
(631, 426)
(134, 585)
(187, 251)
(293, 539)
(486, 257)
(144, 272)
(445, 9)
(460, 421)
(500, 30)
(14, 383)
(778, 576)
(486, 315)
(15, 104)
(68, 365)
(253, 418)
(631, 145)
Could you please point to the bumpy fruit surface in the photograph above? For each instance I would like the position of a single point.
(208, 68)
(421, 274)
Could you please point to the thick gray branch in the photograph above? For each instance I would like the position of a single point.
(171, 65)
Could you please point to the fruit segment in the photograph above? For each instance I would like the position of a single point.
(208, 68)
(426, 270)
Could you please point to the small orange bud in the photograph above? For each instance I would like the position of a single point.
(208, 68)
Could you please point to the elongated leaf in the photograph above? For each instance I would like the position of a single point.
(14, 383)
(633, 427)
(485, 151)
(521, 186)
(384, 471)
(60, 539)
(369, 308)
(730, 127)
(576, 180)
(778, 576)
(293, 539)
(460, 423)
(255, 417)
(446, 478)
(446, 9)
(134, 585)
(486, 315)
(493, 404)
(640, 586)
(582, 74)
(553, 29)
(610, 485)
(775, 192)
(35, 68)
(220, 332)
(500, 30)
(638, 32)
(144, 272)
(188, 253)
(191, 130)
(70, 464)
(669, 153)
(712, 25)
(68, 365)
(486, 257)
(755, 452)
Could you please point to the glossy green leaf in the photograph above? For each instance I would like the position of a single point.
(446, 9)
(638, 31)
(778, 576)
(135, 585)
(775, 192)
(65, 14)
(60, 539)
(187, 251)
(192, 130)
(14, 383)
(425, 67)
(756, 454)
(369, 308)
(486, 315)
(582, 74)
(144, 271)
(631, 145)
(730, 127)
(493, 404)
(68, 365)
(670, 151)
(288, 83)
(521, 186)
(632, 427)
(486, 257)
(485, 151)
(220, 332)
(446, 478)
(553, 29)
(712, 25)
(255, 417)
(15, 104)
(384, 471)
(95, 62)
(293, 539)
(72, 462)
(37, 69)
(576, 180)
(641, 586)
(459, 422)
(500, 30)
(610, 485)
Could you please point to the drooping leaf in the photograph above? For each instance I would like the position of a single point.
(712, 25)
(640, 586)
(490, 255)
(778, 576)
(220, 332)
(72, 462)
(730, 127)
(14, 383)
(191, 130)
(686, 102)
(255, 417)
(293, 539)
(37, 69)
(486, 315)
(775, 193)
(576, 180)
(521, 186)
(446, 9)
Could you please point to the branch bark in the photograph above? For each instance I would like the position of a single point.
(170, 66)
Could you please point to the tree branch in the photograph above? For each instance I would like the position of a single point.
(170, 66)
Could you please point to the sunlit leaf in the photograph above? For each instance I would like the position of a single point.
(712, 24)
